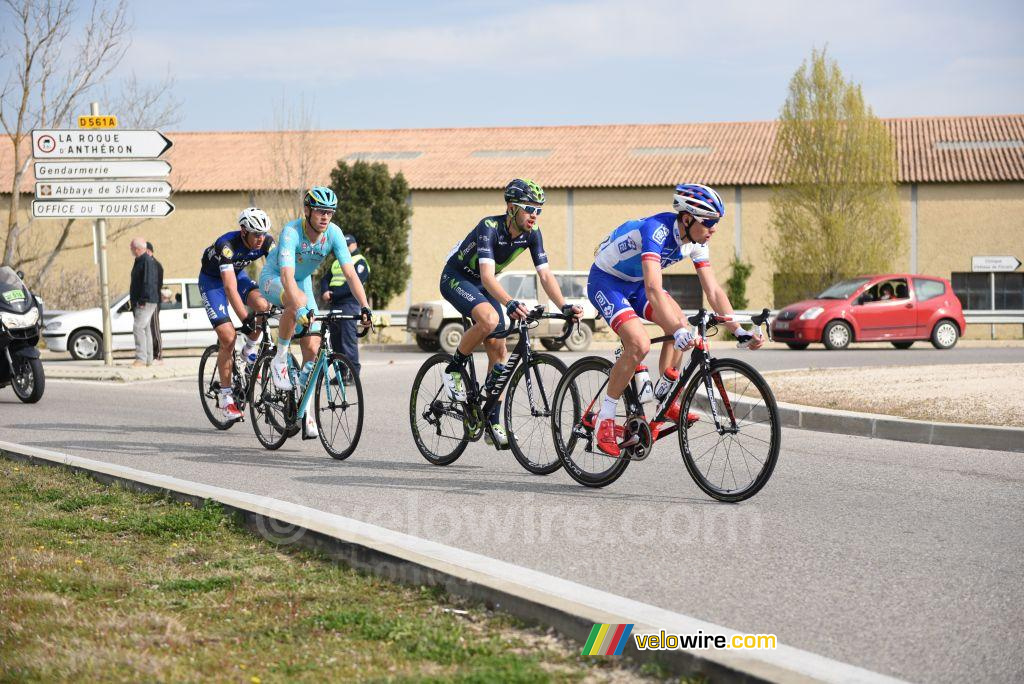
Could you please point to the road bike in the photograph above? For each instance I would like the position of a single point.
(730, 450)
(442, 427)
(332, 390)
(209, 376)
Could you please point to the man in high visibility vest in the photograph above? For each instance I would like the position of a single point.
(338, 296)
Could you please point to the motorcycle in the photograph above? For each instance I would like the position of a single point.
(21, 316)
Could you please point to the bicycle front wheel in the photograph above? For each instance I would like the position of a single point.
(437, 422)
(209, 388)
(578, 400)
(528, 409)
(272, 410)
(339, 407)
(731, 462)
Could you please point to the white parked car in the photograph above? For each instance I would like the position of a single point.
(438, 325)
(183, 323)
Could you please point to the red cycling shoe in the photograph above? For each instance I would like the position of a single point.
(606, 437)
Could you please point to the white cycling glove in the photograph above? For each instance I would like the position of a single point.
(684, 338)
(743, 338)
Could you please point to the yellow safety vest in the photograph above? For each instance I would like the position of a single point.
(337, 277)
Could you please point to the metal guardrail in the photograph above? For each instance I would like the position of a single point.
(983, 317)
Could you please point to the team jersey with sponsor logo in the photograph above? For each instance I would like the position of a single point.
(297, 251)
(656, 238)
(491, 242)
(230, 253)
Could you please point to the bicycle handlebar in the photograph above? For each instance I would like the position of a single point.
(536, 314)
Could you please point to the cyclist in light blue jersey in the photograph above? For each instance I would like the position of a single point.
(287, 275)
(625, 285)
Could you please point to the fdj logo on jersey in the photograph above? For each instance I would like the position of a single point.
(607, 308)
(626, 245)
(660, 234)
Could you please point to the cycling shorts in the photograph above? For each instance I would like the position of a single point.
(465, 293)
(616, 299)
(215, 299)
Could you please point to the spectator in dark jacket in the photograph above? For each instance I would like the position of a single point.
(154, 326)
(144, 294)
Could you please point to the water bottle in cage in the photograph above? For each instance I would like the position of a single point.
(644, 388)
(492, 377)
(665, 383)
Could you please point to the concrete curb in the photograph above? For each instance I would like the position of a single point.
(569, 607)
(902, 429)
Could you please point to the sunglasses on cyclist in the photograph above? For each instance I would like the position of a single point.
(529, 208)
(708, 223)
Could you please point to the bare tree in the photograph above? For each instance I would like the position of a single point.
(836, 212)
(45, 84)
(289, 163)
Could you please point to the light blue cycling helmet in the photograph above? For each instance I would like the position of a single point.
(320, 197)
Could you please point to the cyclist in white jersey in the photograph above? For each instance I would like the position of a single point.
(625, 285)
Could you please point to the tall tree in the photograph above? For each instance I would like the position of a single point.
(373, 206)
(836, 212)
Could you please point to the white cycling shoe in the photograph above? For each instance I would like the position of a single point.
(309, 430)
(279, 374)
(456, 385)
(499, 434)
(228, 408)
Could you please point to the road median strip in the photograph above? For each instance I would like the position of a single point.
(570, 608)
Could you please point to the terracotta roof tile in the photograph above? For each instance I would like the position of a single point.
(642, 155)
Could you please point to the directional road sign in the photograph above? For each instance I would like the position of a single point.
(98, 144)
(101, 169)
(103, 189)
(101, 208)
(995, 263)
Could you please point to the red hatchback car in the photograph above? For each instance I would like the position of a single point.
(898, 308)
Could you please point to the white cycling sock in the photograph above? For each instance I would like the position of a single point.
(282, 348)
(250, 345)
(608, 408)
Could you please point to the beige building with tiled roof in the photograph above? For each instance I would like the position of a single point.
(961, 189)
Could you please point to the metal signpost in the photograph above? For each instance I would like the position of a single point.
(98, 171)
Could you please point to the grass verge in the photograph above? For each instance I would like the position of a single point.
(98, 583)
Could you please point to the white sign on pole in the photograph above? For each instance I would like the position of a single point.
(98, 144)
(101, 169)
(146, 189)
(101, 209)
(995, 263)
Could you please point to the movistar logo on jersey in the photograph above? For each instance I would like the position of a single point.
(490, 223)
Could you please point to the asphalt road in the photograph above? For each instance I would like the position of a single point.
(901, 558)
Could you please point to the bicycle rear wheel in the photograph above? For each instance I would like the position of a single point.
(528, 413)
(209, 388)
(272, 410)
(437, 422)
(339, 407)
(734, 463)
(578, 399)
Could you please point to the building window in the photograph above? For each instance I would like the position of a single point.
(685, 289)
(975, 290)
(1009, 291)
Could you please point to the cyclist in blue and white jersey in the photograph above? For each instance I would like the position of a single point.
(468, 282)
(625, 285)
(224, 283)
(286, 279)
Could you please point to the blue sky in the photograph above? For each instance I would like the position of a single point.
(397, 64)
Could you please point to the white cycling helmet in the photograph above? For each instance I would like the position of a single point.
(253, 220)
